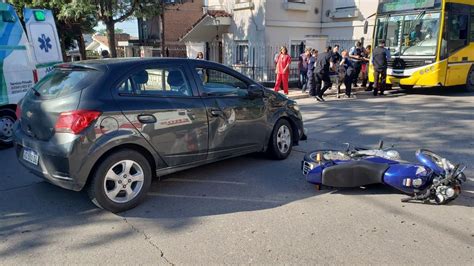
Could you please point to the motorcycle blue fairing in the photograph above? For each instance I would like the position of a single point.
(406, 177)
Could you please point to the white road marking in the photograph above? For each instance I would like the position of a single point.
(204, 181)
(155, 194)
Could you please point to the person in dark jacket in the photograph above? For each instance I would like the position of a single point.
(348, 72)
(380, 56)
(322, 67)
(311, 83)
(356, 55)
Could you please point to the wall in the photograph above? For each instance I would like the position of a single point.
(348, 28)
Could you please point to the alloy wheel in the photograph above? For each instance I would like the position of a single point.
(123, 181)
(283, 139)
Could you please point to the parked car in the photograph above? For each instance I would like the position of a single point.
(111, 125)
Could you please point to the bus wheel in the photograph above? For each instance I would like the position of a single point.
(406, 87)
(470, 80)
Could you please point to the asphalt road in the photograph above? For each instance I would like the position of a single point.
(254, 210)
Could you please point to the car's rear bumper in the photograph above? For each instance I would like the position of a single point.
(54, 163)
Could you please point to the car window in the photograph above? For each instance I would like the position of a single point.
(168, 82)
(218, 83)
(126, 87)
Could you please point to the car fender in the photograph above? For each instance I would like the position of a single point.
(107, 143)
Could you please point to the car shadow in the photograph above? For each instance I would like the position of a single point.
(246, 183)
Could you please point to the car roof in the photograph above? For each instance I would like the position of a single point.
(111, 63)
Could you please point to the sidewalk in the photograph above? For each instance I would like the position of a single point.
(295, 93)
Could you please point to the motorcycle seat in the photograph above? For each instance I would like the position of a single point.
(354, 174)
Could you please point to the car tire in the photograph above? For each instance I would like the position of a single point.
(281, 140)
(8, 118)
(121, 181)
(470, 80)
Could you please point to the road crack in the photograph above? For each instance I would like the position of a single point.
(147, 239)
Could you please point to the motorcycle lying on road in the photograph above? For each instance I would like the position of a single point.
(434, 178)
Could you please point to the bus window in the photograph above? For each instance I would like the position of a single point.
(457, 28)
(6, 16)
(472, 24)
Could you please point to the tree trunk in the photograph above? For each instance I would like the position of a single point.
(162, 15)
(63, 47)
(110, 26)
(82, 46)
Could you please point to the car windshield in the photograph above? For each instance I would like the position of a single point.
(410, 35)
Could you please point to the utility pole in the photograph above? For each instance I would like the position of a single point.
(162, 18)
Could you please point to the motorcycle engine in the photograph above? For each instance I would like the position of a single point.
(445, 193)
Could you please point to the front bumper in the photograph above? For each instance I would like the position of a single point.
(54, 163)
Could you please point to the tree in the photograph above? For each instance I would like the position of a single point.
(112, 11)
(73, 18)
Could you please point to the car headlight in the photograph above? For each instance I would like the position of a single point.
(296, 107)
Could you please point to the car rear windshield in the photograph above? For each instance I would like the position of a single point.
(61, 82)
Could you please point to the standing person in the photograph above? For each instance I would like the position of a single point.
(311, 84)
(322, 67)
(365, 65)
(346, 63)
(282, 70)
(336, 57)
(303, 67)
(380, 56)
(356, 56)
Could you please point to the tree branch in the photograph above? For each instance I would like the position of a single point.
(133, 8)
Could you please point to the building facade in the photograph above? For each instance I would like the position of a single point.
(247, 34)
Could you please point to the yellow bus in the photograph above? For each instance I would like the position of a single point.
(431, 42)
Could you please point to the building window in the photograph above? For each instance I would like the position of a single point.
(241, 53)
(242, 1)
(297, 1)
(297, 48)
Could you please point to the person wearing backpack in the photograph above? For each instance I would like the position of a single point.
(380, 57)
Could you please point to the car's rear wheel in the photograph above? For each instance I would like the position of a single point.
(281, 141)
(121, 181)
(7, 120)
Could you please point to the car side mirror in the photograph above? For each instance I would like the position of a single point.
(255, 91)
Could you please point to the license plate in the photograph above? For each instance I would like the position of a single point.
(30, 156)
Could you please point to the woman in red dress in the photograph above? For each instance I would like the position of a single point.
(282, 71)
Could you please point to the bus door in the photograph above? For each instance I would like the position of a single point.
(16, 69)
(460, 56)
(44, 40)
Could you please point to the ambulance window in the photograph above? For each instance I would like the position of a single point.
(7, 16)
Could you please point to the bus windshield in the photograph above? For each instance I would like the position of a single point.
(409, 35)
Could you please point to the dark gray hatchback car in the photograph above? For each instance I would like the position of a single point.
(112, 125)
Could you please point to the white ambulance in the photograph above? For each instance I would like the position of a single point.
(24, 58)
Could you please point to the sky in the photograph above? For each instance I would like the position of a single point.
(129, 26)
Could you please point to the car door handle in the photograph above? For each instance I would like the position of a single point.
(216, 112)
(146, 119)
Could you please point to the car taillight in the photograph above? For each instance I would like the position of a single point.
(35, 76)
(75, 121)
(18, 112)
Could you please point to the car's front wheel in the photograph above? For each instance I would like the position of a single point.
(121, 181)
(281, 140)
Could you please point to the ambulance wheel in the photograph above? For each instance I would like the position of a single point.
(7, 120)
